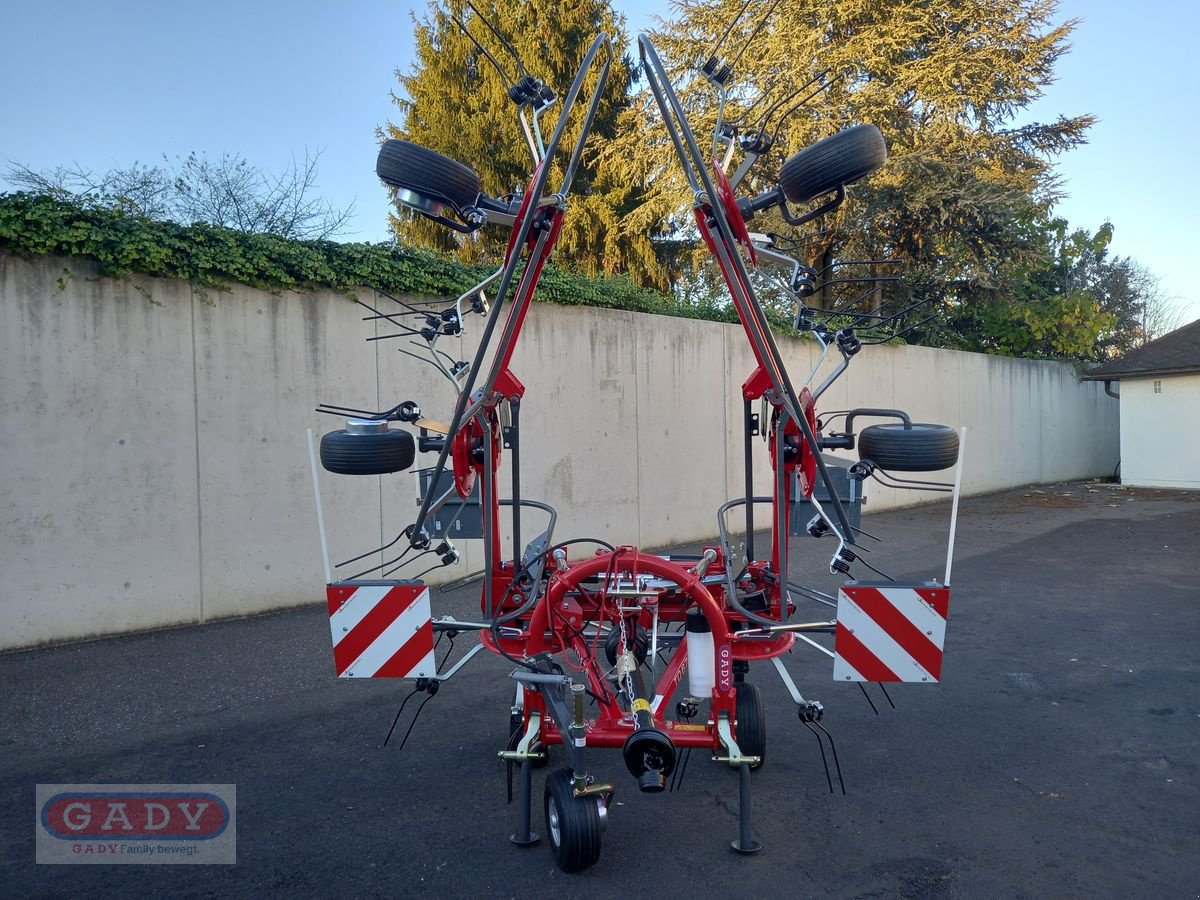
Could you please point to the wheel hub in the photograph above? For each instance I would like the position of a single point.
(553, 825)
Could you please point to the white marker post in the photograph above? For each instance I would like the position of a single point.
(312, 459)
(962, 447)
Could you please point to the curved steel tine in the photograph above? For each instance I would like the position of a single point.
(503, 43)
(833, 749)
(728, 28)
(868, 698)
(787, 98)
(821, 746)
(753, 34)
(482, 49)
(397, 719)
(886, 694)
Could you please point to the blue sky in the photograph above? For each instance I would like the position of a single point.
(106, 84)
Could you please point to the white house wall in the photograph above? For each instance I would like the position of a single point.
(1160, 432)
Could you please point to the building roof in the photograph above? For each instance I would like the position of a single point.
(1177, 353)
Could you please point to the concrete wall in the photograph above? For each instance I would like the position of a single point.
(1160, 432)
(155, 466)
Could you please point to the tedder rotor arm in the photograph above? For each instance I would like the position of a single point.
(472, 399)
(712, 217)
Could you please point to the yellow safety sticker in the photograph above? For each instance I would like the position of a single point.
(640, 705)
(685, 726)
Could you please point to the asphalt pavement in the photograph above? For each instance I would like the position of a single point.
(1057, 758)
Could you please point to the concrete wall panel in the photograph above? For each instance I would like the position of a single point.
(581, 440)
(156, 470)
(99, 518)
(263, 362)
(681, 427)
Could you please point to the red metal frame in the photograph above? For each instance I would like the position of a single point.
(556, 623)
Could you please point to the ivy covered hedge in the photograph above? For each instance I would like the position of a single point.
(216, 258)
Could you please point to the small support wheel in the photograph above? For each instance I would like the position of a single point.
(428, 178)
(751, 722)
(572, 823)
(832, 162)
(369, 449)
(919, 447)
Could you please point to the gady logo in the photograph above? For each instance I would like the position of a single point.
(139, 824)
(725, 667)
(135, 816)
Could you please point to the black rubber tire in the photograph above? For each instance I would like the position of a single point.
(403, 164)
(575, 821)
(367, 454)
(923, 448)
(831, 162)
(751, 722)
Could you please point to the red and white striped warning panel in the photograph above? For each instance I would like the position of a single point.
(890, 632)
(381, 629)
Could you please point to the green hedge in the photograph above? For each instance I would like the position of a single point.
(216, 258)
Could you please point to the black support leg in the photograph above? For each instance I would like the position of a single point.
(745, 842)
(525, 837)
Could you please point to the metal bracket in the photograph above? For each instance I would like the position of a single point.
(735, 757)
(467, 657)
(598, 789)
(786, 677)
(532, 730)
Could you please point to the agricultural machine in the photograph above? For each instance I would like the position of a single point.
(611, 646)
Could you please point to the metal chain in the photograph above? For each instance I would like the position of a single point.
(622, 649)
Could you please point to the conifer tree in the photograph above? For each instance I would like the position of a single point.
(453, 101)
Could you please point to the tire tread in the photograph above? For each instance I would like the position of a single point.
(579, 824)
(751, 722)
(367, 454)
(923, 448)
(832, 162)
(403, 164)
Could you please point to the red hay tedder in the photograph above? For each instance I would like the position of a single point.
(612, 646)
